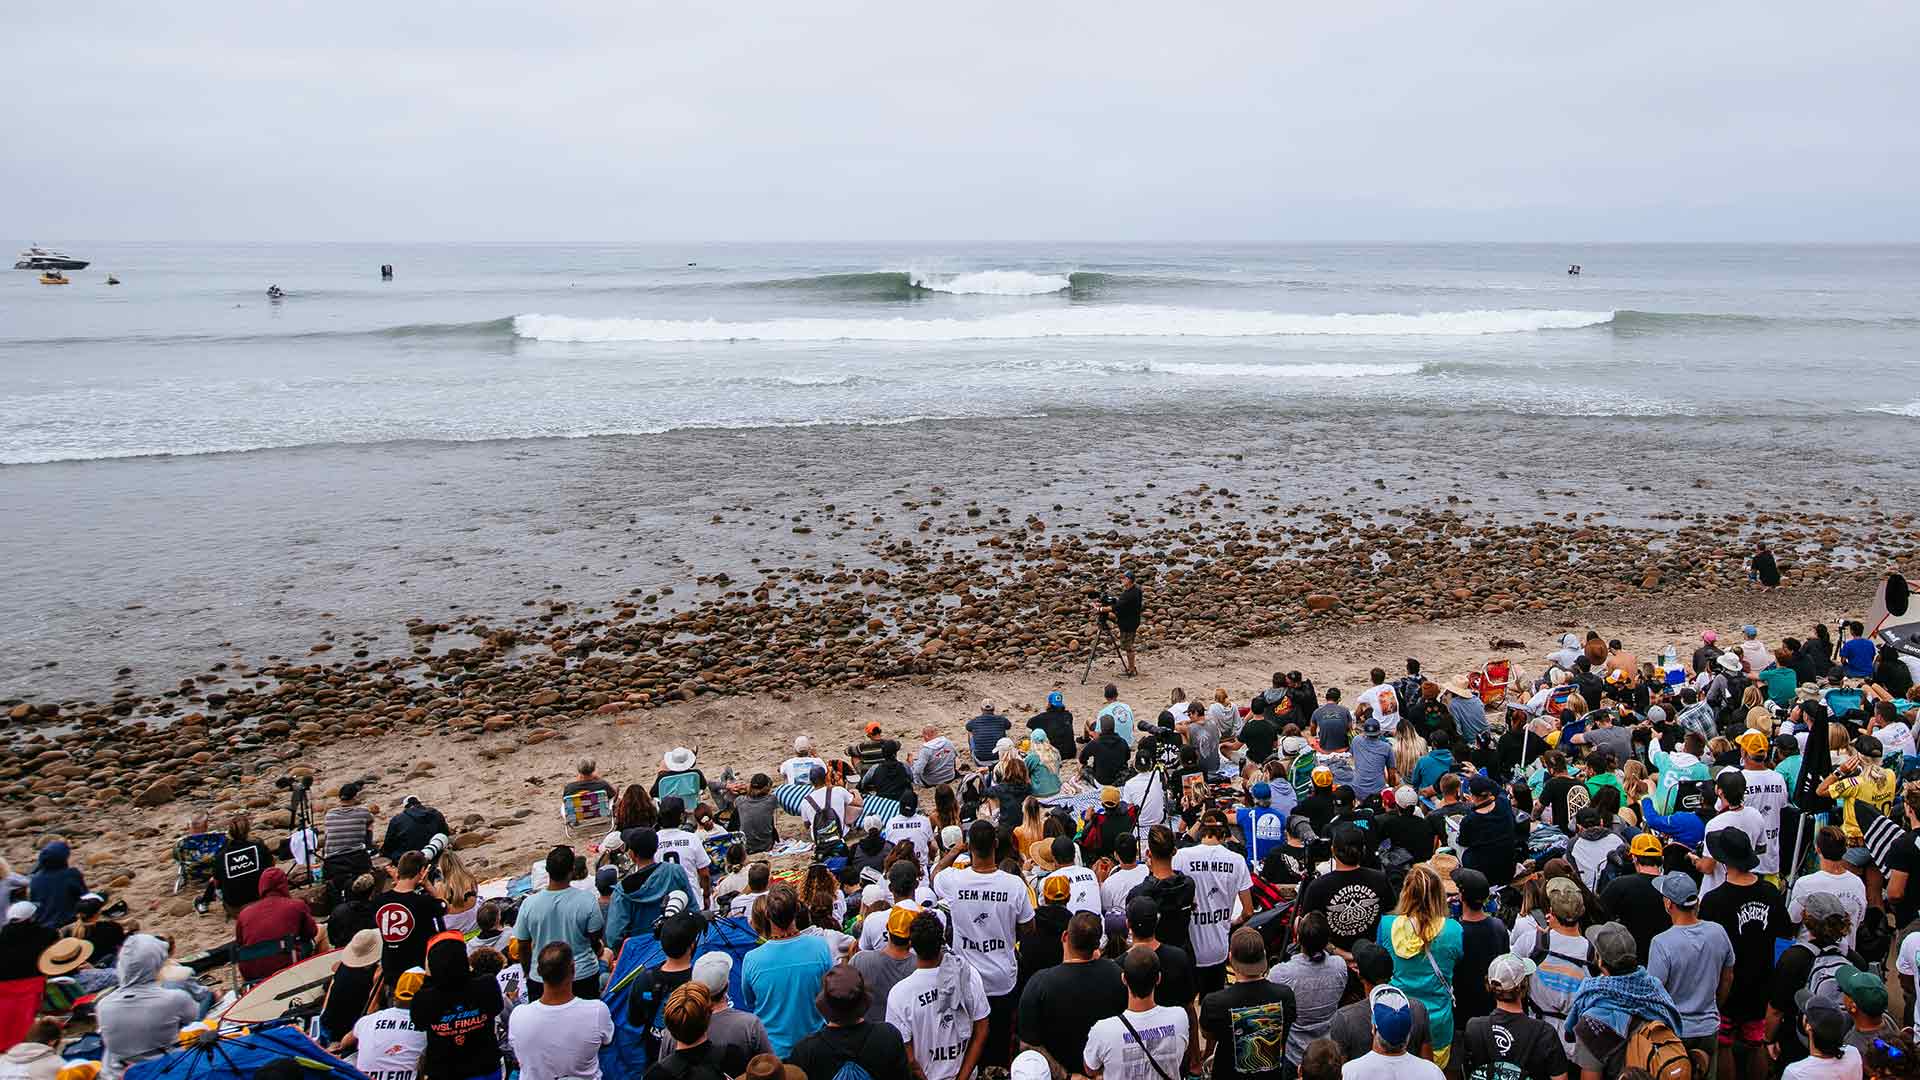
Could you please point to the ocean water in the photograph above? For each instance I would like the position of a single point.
(191, 472)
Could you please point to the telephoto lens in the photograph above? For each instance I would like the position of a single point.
(434, 847)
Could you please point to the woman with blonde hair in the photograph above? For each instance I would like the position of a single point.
(1408, 749)
(1862, 777)
(1425, 945)
(1043, 765)
(1032, 824)
(462, 893)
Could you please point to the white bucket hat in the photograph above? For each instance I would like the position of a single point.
(679, 759)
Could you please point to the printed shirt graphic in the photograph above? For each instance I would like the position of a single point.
(985, 910)
(388, 1045)
(1386, 705)
(937, 1040)
(1264, 830)
(1767, 795)
(1219, 877)
(1259, 1037)
(682, 847)
(1113, 1050)
(1085, 886)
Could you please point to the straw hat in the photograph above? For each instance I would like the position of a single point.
(1459, 687)
(363, 950)
(1040, 852)
(67, 954)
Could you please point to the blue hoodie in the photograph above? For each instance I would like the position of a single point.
(55, 886)
(1430, 768)
(641, 897)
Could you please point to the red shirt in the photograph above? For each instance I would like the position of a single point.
(269, 918)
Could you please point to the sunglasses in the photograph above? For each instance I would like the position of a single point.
(1889, 1049)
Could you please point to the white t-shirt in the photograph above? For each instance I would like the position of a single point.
(1897, 736)
(1845, 1067)
(824, 800)
(388, 1045)
(1150, 795)
(1767, 796)
(1085, 894)
(915, 828)
(512, 981)
(938, 1041)
(1112, 1049)
(681, 846)
(1386, 706)
(1746, 819)
(742, 905)
(1114, 890)
(799, 770)
(1845, 887)
(560, 1042)
(873, 928)
(1219, 876)
(1908, 963)
(986, 910)
(1377, 1066)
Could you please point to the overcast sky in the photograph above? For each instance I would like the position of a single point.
(848, 120)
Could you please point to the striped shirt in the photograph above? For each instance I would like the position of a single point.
(348, 828)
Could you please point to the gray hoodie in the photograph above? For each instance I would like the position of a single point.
(141, 1019)
(30, 1061)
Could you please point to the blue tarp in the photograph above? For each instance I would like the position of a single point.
(626, 1057)
(238, 1057)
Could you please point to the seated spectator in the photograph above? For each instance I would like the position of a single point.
(936, 762)
(588, 780)
(688, 1013)
(678, 778)
(887, 778)
(142, 1019)
(754, 814)
(274, 916)
(37, 1055)
(728, 1029)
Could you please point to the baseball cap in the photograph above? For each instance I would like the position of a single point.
(1750, 630)
(22, 910)
(1370, 726)
(1247, 952)
(1405, 797)
(1030, 1066)
(1824, 905)
(950, 836)
(1056, 700)
(1865, 988)
(1753, 742)
(1613, 946)
(1508, 972)
(1678, 888)
(1110, 796)
(409, 983)
(1480, 785)
(1261, 791)
(1322, 776)
(1565, 901)
(1825, 1014)
(1293, 746)
(817, 775)
(1392, 1015)
(1300, 827)
(714, 969)
(1868, 746)
(1657, 715)
(1055, 890)
(1474, 887)
(873, 727)
(900, 921)
(875, 893)
(1734, 848)
(1648, 846)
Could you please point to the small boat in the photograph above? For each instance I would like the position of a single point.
(38, 258)
(54, 277)
(111, 280)
(274, 292)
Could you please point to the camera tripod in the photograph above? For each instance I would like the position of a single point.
(1101, 631)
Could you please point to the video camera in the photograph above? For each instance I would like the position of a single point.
(286, 783)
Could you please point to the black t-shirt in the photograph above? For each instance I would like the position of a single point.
(1521, 1048)
(21, 944)
(1754, 916)
(462, 1038)
(1553, 794)
(1259, 736)
(1904, 857)
(107, 936)
(1044, 949)
(877, 1047)
(237, 871)
(1789, 978)
(1287, 865)
(405, 921)
(1248, 1023)
(1352, 900)
(1480, 942)
(1318, 808)
(1062, 1003)
(647, 1001)
(1126, 609)
(1632, 900)
(347, 997)
(1406, 832)
(722, 1060)
(1177, 982)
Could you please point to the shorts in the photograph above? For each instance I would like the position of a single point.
(1126, 638)
(1746, 1031)
(1001, 1013)
(1858, 857)
(1211, 978)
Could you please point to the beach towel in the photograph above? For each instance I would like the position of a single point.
(790, 796)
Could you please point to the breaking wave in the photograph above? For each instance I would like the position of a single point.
(1077, 322)
(992, 283)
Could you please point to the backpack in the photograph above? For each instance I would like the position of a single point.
(851, 1069)
(829, 831)
(1694, 797)
(1395, 862)
(1823, 975)
(1104, 826)
(1654, 1047)
(1174, 898)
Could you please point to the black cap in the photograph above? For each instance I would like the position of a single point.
(1474, 888)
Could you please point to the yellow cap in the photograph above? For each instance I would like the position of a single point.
(1753, 742)
(1647, 846)
(900, 921)
(1055, 890)
(408, 984)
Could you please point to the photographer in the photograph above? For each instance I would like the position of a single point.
(1124, 610)
(415, 826)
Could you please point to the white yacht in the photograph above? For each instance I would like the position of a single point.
(37, 258)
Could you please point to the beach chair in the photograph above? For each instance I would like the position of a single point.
(718, 844)
(193, 856)
(586, 809)
(1490, 682)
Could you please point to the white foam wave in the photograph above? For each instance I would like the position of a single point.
(990, 283)
(1284, 371)
(816, 380)
(1911, 408)
(1074, 322)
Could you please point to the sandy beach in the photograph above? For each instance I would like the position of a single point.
(500, 788)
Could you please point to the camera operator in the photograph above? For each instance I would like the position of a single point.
(347, 851)
(413, 828)
(1124, 610)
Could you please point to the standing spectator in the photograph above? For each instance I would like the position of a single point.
(1318, 978)
(407, 915)
(1061, 1004)
(1332, 723)
(1753, 914)
(677, 845)
(849, 1037)
(779, 977)
(1123, 873)
(1221, 881)
(1425, 944)
(1145, 1041)
(984, 732)
(413, 828)
(1766, 793)
(1821, 948)
(1633, 900)
(458, 1009)
(883, 968)
(1508, 1037)
(1176, 987)
(1352, 1026)
(651, 987)
(694, 1052)
(560, 913)
(941, 1009)
(1372, 752)
(990, 911)
(728, 1029)
(1392, 1027)
(559, 1036)
(1825, 1024)
(1865, 996)
(640, 898)
(1482, 937)
(1559, 953)
(351, 988)
(1694, 961)
(1083, 885)
(275, 915)
(1622, 993)
(1832, 879)
(588, 779)
(1249, 1021)
(910, 825)
(1169, 889)
(1734, 814)
(1350, 896)
(1486, 832)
